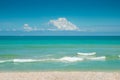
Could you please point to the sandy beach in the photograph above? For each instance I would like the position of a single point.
(59, 75)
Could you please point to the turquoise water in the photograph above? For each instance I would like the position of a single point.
(61, 53)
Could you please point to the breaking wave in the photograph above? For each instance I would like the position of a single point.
(97, 58)
(63, 59)
(24, 60)
(87, 54)
(3, 61)
(71, 59)
(81, 57)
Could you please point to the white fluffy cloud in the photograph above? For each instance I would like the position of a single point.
(59, 24)
(63, 24)
(27, 27)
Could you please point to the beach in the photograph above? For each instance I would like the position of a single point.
(59, 75)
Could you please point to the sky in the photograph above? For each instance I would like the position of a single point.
(60, 17)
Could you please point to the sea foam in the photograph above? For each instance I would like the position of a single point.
(86, 54)
(62, 59)
(24, 60)
(71, 59)
(31, 60)
(118, 55)
(97, 58)
(3, 61)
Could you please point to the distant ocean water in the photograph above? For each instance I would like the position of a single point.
(61, 53)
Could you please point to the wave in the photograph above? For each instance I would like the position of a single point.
(62, 59)
(71, 59)
(86, 54)
(3, 61)
(24, 60)
(32, 60)
(97, 58)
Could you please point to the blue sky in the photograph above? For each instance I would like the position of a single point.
(60, 17)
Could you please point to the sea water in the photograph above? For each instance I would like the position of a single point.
(59, 53)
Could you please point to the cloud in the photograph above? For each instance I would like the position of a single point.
(57, 25)
(27, 28)
(63, 24)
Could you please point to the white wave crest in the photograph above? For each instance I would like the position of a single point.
(32, 60)
(3, 61)
(86, 54)
(62, 59)
(97, 58)
(71, 59)
(24, 60)
(118, 55)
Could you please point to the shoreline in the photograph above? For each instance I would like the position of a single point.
(58, 75)
(22, 71)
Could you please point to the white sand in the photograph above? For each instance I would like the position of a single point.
(59, 75)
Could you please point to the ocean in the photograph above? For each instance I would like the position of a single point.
(59, 53)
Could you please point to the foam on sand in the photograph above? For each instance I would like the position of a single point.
(86, 54)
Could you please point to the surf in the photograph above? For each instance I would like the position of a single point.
(103, 58)
(86, 54)
(71, 59)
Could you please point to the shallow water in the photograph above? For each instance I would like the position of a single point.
(34, 53)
